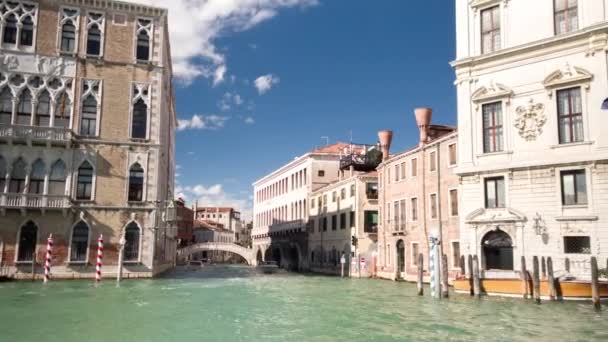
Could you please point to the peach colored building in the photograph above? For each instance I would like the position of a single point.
(418, 197)
(87, 124)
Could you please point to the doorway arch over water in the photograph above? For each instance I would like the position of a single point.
(497, 249)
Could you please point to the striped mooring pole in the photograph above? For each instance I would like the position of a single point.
(48, 259)
(434, 267)
(99, 259)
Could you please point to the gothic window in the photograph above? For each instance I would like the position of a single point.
(6, 106)
(144, 30)
(490, 29)
(63, 111)
(68, 37)
(57, 179)
(43, 110)
(566, 16)
(80, 243)
(27, 242)
(84, 185)
(570, 115)
(95, 24)
(492, 127)
(2, 174)
(17, 183)
(27, 32)
(132, 237)
(136, 183)
(88, 123)
(140, 120)
(10, 30)
(37, 178)
(24, 109)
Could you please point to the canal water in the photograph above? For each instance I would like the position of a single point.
(237, 304)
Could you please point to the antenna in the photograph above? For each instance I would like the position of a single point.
(326, 139)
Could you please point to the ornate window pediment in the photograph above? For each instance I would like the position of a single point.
(476, 4)
(492, 216)
(567, 75)
(492, 91)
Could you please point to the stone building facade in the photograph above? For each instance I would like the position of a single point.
(419, 199)
(87, 123)
(344, 222)
(531, 79)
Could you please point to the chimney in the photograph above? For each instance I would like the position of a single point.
(195, 209)
(423, 119)
(385, 138)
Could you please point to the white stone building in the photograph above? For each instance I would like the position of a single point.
(531, 79)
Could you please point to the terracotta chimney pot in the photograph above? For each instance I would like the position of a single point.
(385, 138)
(423, 119)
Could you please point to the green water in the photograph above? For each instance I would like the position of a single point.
(236, 304)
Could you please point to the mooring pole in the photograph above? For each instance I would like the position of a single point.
(551, 279)
(524, 277)
(476, 280)
(536, 280)
(445, 290)
(595, 284)
(420, 274)
(470, 266)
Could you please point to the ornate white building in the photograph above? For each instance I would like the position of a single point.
(532, 86)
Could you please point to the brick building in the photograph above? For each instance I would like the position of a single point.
(87, 124)
(185, 222)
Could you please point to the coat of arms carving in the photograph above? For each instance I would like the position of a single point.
(530, 120)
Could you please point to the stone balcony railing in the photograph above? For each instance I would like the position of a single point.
(35, 134)
(34, 201)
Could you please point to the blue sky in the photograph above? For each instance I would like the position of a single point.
(324, 68)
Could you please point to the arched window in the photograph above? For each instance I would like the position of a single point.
(24, 110)
(43, 110)
(68, 37)
(2, 174)
(57, 179)
(94, 41)
(37, 178)
(136, 183)
(140, 120)
(10, 30)
(27, 242)
(84, 184)
(17, 184)
(6, 106)
(132, 242)
(63, 111)
(88, 123)
(27, 32)
(143, 46)
(80, 242)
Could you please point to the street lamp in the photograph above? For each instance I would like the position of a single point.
(122, 242)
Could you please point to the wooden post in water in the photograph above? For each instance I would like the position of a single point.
(420, 274)
(463, 270)
(524, 277)
(445, 290)
(476, 280)
(536, 280)
(595, 285)
(543, 267)
(470, 266)
(551, 279)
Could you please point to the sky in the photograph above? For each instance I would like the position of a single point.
(260, 82)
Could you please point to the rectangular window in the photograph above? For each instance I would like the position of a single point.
(455, 254)
(566, 16)
(343, 221)
(334, 196)
(433, 198)
(490, 29)
(397, 173)
(495, 192)
(325, 224)
(312, 204)
(414, 209)
(570, 115)
(343, 194)
(414, 167)
(574, 187)
(352, 219)
(415, 254)
(452, 155)
(352, 190)
(334, 222)
(321, 173)
(388, 175)
(396, 216)
(577, 245)
(388, 214)
(402, 215)
(492, 127)
(403, 171)
(371, 190)
(433, 161)
(454, 202)
(371, 221)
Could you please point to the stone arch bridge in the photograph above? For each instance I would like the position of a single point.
(246, 253)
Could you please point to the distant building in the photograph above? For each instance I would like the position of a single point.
(229, 218)
(209, 231)
(185, 223)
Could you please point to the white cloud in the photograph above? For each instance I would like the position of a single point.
(228, 100)
(211, 122)
(264, 83)
(249, 120)
(195, 25)
(215, 195)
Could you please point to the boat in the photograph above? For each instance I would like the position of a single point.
(268, 267)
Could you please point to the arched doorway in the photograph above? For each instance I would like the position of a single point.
(400, 257)
(497, 249)
(294, 258)
(276, 256)
(259, 256)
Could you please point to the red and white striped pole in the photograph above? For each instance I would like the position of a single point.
(99, 259)
(48, 259)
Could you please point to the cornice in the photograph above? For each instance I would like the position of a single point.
(119, 6)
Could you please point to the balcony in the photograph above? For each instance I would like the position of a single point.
(363, 158)
(35, 134)
(34, 201)
(287, 227)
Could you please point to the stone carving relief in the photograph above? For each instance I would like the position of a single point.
(50, 66)
(9, 62)
(530, 120)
